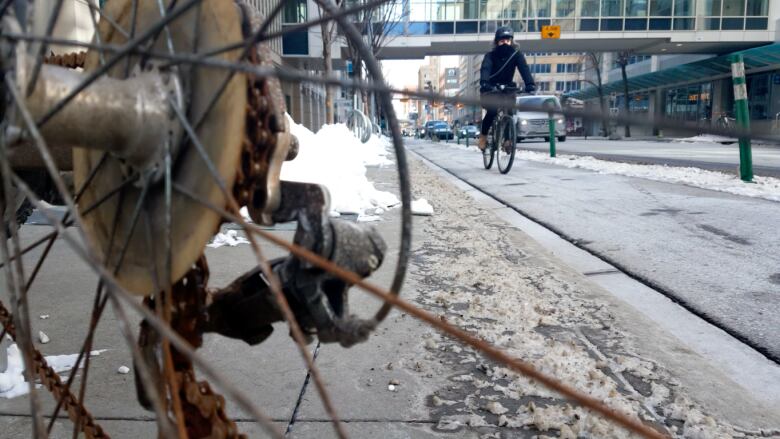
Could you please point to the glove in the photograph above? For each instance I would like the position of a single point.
(530, 88)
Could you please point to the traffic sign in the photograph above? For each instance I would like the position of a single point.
(551, 32)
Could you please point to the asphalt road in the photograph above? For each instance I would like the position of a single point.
(705, 155)
(715, 253)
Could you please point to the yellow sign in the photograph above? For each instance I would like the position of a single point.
(551, 32)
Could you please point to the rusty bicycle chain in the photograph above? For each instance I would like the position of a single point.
(262, 126)
(71, 60)
(52, 381)
(204, 409)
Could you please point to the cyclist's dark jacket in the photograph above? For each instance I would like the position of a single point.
(498, 67)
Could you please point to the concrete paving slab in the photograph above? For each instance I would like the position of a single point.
(20, 427)
(364, 429)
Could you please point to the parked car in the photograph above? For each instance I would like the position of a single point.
(425, 132)
(440, 130)
(469, 131)
(428, 129)
(535, 124)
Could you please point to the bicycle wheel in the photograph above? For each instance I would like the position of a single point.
(178, 119)
(505, 153)
(490, 150)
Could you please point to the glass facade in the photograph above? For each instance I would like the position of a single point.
(690, 103)
(483, 16)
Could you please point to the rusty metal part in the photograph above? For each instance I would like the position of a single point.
(72, 60)
(52, 381)
(268, 142)
(204, 410)
(319, 301)
(140, 102)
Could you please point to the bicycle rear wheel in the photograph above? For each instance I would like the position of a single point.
(505, 150)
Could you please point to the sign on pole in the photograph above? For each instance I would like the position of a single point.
(553, 32)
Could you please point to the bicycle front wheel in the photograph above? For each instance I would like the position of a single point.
(489, 153)
(507, 136)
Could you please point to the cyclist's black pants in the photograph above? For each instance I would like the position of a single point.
(487, 121)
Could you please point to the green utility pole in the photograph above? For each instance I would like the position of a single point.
(552, 135)
(551, 123)
(743, 116)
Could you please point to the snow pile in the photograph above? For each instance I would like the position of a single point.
(12, 383)
(229, 238)
(336, 159)
(762, 187)
(705, 138)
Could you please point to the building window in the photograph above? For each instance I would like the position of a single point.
(295, 11)
(566, 86)
(661, 8)
(611, 8)
(540, 68)
(564, 8)
(636, 8)
(589, 8)
(684, 8)
(567, 68)
(733, 8)
(544, 86)
(757, 7)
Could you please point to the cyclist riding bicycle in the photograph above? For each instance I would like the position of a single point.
(498, 68)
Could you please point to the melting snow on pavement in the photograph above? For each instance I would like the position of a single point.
(767, 188)
(515, 298)
(763, 187)
(12, 383)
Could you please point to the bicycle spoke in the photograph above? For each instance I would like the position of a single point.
(126, 49)
(596, 115)
(294, 28)
(70, 222)
(55, 13)
(265, 267)
(18, 295)
(116, 291)
(109, 20)
(98, 307)
(249, 44)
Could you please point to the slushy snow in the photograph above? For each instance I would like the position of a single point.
(229, 237)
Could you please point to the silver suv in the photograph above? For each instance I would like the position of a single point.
(535, 123)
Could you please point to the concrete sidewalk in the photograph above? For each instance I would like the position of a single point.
(474, 269)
